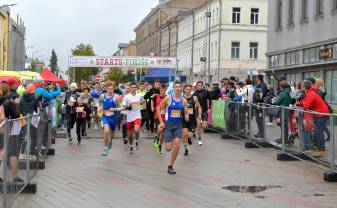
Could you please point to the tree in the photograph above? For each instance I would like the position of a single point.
(115, 74)
(32, 66)
(53, 62)
(82, 73)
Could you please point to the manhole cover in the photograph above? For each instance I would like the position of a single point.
(249, 189)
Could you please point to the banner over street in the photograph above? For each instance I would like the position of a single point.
(124, 61)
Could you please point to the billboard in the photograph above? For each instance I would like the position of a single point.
(124, 61)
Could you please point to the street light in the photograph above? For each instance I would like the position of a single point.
(208, 15)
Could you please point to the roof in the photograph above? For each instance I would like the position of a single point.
(152, 12)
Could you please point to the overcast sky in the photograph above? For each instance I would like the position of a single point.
(62, 24)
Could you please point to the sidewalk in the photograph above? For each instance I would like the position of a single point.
(77, 176)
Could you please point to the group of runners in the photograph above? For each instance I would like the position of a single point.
(179, 112)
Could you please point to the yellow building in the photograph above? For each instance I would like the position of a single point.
(4, 35)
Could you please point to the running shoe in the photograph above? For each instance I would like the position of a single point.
(137, 146)
(190, 141)
(186, 152)
(78, 142)
(125, 141)
(110, 145)
(131, 150)
(160, 151)
(170, 170)
(105, 152)
(200, 143)
(70, 140)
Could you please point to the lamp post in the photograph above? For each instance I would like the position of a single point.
(208, 15)
(203, 59)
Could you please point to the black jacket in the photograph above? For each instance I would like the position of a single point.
(11, 110)
(28, 104)
(202, 96)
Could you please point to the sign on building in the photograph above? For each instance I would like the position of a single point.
(133, 62)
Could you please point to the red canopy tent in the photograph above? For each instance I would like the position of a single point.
(48, 76)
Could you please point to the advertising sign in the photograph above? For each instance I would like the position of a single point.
(218, 114)
(124, 61)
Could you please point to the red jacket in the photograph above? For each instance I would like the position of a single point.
(312, 101)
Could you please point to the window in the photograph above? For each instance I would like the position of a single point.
(319, 7)
(254, 16)
(235, 50)
(312, 55)
(334, 4)
(236, 15)
(213, 17)
(253, 50)
(306, 56)
(334, 51)
(304, 10)
(331, 86)
(279, 14)
(292, 58)
(291, 12)
(275, 61)
(217, 15)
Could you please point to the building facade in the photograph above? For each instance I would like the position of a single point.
(302, 42)
(17, 45)
(185, 44)
(4, 41)
(148, 32)
(238, 38)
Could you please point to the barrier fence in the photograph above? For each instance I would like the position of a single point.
(25, 143)
(296, 134)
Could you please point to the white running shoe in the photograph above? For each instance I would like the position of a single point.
(200, 143)
(270, 124)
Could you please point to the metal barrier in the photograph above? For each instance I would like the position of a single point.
(296, 134)
(24, 146)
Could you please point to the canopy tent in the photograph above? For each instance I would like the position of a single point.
(163, 75)
(48, 76)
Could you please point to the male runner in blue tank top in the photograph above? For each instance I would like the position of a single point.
(110, 116)
(176, 108)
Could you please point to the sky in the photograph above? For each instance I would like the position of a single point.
(62, 24)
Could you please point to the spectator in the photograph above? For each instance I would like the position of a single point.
(11, 112)
(313, 102)
(283, 99)
(259, 95)
(28, 106)
(319, 83)
(247, 91)
(268, 99)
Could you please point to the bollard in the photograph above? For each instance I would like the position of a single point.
(331, 175)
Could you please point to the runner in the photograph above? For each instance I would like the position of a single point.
(202, 96)
(155, 102)
(190, 125)
(132, 103)
(87, 100)
(175, 105)
(69, 102)
(109, 101)
(141, 91)
(95, 94)
(123, 113)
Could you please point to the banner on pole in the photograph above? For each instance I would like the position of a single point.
(124, 61)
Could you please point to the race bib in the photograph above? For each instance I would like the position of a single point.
(135, 104)
(190, 111)
(175, 113)
(109, 113)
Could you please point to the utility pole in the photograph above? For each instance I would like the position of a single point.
(208, 15)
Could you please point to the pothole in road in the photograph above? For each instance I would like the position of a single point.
(249, 189)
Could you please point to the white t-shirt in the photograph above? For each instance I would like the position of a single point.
(135, 101)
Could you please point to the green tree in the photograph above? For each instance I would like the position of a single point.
(82, 73)
(53, 62)
(115, 74)
(32, 66)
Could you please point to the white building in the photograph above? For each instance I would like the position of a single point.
(184, 49)
(238, 38)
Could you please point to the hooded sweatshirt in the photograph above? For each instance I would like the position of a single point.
(28, 104)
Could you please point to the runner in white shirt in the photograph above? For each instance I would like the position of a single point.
(132, 103)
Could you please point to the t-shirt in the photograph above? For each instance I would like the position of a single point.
(135, 101)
